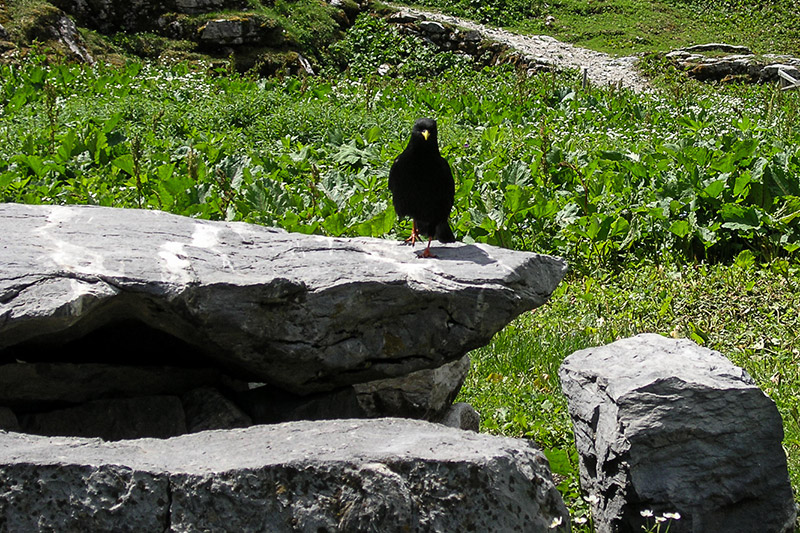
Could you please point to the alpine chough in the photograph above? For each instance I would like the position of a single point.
(422, 186)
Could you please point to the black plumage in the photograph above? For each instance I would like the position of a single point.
(422, 186)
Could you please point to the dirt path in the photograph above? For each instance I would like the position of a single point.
(602, 69)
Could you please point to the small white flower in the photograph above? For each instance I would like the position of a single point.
(660, 519)
(647, 513)
(592, 498)
(556, 522)
(580, 520)
(672, 516)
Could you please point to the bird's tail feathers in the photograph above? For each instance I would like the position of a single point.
(444, 233)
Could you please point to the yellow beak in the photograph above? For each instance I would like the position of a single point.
(426, 134)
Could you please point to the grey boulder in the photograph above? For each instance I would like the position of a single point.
(347, 475)
(303, 313)
(664, 425)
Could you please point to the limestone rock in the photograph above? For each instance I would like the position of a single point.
(239, 30)
(194, 7)
(721, 68)
(462, 416)
(8, 420)
(424, 394)
(137, 15)
(52, 26)
(346, 475)
(719, 47)
(666, 425)
(770, 72)
(113, 419)
(304, 313)
(40, 385)
(739, 63)
(270, 405)
(431, 27)
(207, 408)
(404, 17)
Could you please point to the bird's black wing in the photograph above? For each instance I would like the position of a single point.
(404, 184)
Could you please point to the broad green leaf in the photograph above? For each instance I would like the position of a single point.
(680, 228)
(715, 188)
(124, 162)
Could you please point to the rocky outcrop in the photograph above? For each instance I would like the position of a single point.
(52, 27)
(110, 16)
(665, 426)
(387, 475)
(724, 62)
(95, 302)
(220, 33)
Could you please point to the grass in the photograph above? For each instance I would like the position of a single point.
(624, 27)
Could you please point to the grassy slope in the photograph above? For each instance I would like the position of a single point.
(635, 26)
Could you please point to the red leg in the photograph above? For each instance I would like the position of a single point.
(414, 233)
(427, 251)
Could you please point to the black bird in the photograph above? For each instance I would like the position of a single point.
(422, 186)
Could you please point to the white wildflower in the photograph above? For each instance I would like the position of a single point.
(556, 522)
(647, 513)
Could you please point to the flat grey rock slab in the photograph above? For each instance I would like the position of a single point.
(665, 425)
(346, 475)
(305, 313)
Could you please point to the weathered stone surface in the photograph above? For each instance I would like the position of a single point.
(137, 15)
(3, 33)
(207, 408)
(770, 72)
(114, 419)
(404, 17)
(379, 475)
(721, 68)
(666, 425)
(431, 27)
(304, 313)
(462, 416)
(424, 394)
(240, 30)
(719, 47)
(40, 384)
(53, 27)
(8, 420)
(739, 64)
(270, 405)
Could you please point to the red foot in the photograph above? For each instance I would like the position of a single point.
(427, 251)
(414, 234)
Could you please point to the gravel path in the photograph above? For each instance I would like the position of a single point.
(602, 69)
